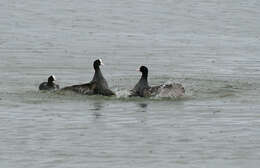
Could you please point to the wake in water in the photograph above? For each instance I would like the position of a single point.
(172, 91)
(196, 89)
(169, 91)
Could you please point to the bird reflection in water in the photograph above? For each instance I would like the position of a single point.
(143, 107)
(97, 107)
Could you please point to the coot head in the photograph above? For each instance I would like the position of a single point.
(97, 63)
(144, 70)
(51, 79)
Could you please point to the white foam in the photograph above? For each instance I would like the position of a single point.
(175, 91)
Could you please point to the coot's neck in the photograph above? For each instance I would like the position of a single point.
(50, 83)
(144, 76)
(144, 79)
(97, 71)
(98, 74)
(96, 68)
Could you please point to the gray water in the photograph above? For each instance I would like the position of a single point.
(211, 47)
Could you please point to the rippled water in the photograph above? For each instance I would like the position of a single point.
(212, 48)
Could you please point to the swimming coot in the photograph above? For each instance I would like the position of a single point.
(143, 89)
(50, 85)
(97, 86)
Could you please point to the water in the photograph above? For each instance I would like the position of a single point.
(212, 48)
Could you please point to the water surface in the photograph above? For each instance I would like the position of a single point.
(212, 48)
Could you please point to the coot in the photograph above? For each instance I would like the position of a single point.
(97, 86)
(143, 89)
(50, 85)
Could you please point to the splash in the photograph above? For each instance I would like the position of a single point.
(173, 90)
(167, 90)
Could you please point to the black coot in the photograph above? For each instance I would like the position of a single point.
(98, 85)
(143, 89)
(50, 85)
